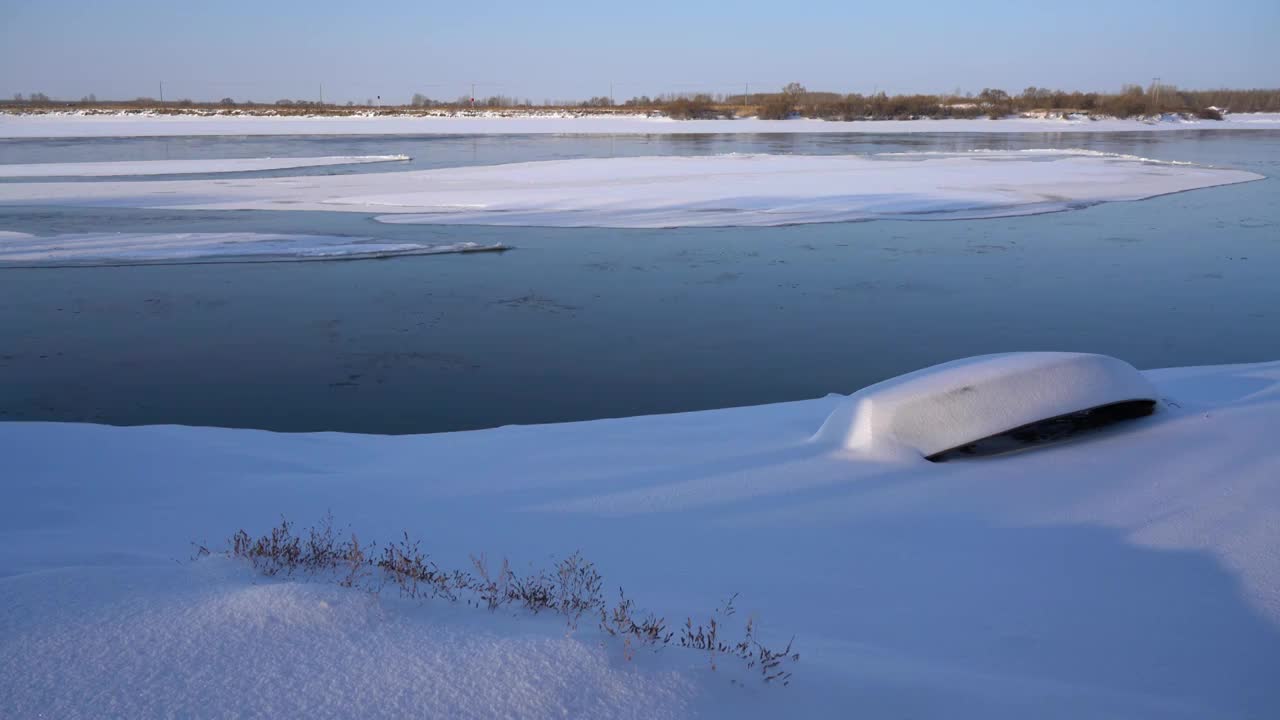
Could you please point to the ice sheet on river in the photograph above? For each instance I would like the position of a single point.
(181, 167)
(107, 248)
(651, 192)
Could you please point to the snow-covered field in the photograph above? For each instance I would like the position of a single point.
(181, 167)
(113, 248)
(1130, 574)
(74, 125)
(723, 190)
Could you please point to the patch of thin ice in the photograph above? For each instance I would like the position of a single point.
(19, 249)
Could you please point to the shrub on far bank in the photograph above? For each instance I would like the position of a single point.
(776, 107)
(696, 107)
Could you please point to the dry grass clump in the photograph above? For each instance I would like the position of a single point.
(571, 588)
(770, 662)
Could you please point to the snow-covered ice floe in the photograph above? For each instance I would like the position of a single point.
(743, 190)
(109, 248)
(1131, 572)
(182, 167)
(649, 192)
(153, 125)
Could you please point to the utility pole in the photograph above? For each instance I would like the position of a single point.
(162, 91)
(321, 93)
(610, 92)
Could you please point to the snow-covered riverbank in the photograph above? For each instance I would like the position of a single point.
(1131, 573)
(144, 125)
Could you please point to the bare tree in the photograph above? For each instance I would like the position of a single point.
(996, 102)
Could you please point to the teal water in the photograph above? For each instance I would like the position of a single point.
(588, 323)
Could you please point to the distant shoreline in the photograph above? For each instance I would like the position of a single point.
(268, 121)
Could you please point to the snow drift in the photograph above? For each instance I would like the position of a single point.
(650, 192)
(207, 642)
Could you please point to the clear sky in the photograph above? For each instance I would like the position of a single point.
(560, 49)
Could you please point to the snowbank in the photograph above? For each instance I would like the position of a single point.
(73, 125)
(1131, 573)
(181, 167)
(945, 407)
(20, 249)
(207, 642)
(646, 192)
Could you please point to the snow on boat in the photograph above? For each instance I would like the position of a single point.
(989, 403)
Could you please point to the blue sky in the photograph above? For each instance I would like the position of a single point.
(270, 49)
